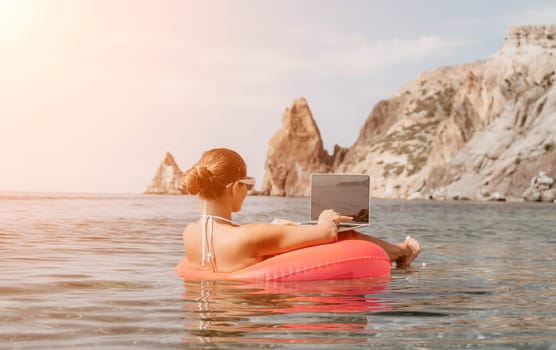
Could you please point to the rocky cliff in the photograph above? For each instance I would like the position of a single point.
(296, 151)
(473, 131)
(167, 179)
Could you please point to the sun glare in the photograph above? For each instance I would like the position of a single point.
(15, 16)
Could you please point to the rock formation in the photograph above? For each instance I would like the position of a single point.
(477, 131)
(167, 179)
(541, 189)
(295, 152)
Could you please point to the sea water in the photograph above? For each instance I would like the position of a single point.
(97, 271)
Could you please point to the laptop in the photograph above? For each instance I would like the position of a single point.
(348, 194)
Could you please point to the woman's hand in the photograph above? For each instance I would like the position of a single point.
(329, 216)
(278, 221)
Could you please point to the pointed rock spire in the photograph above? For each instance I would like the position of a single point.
(167, 179)
(295, 151)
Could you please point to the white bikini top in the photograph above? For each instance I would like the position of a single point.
(207, 249)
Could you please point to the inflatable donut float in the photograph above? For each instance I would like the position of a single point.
(341, 260)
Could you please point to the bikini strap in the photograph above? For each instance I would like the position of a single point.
(207, 228)
(219, 218)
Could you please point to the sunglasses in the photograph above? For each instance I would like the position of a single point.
(248, 181)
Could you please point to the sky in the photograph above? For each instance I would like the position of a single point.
(94, 93)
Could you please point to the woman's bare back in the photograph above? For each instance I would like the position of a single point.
(230, 249)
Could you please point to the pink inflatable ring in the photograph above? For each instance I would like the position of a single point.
(346, 259)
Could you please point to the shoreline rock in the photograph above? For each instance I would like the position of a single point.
(541, 189)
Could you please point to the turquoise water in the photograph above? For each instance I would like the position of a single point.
(96, 271)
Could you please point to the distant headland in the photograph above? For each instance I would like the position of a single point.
(484, 131)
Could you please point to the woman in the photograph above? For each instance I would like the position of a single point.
(215, 243)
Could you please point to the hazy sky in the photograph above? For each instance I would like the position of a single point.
(93, 93)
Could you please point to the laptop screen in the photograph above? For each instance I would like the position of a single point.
(345, 193)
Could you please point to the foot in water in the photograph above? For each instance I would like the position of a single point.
(412, 247)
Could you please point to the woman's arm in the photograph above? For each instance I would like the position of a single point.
(270, 239)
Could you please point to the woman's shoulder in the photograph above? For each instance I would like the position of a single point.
(191, 227)
(192, 224)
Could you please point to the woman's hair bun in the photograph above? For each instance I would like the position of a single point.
(199, 181)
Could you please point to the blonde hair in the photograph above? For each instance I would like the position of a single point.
(217, 168)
